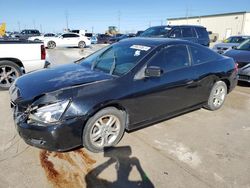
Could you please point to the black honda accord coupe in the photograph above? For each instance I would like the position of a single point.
(125, 86)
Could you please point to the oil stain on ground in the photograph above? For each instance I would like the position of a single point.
(66, 169)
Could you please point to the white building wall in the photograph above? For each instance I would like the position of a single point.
(224, 25)
(246, 28)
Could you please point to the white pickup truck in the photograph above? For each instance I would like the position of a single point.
(19, 57)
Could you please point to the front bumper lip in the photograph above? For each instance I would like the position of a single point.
(59, 137)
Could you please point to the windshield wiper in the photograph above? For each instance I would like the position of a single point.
(113, 65)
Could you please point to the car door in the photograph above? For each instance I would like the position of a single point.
(168, 94)
(69, 39)
(189, 34)
(203, 60)
(74, 39)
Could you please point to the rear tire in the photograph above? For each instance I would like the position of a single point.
(81, 44)
(51, 44)
(217, 96)
(104, 129)
(9, 71)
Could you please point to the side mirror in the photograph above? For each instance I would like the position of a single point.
(234, 47)
(153, 71)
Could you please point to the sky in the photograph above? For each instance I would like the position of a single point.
(97, 15)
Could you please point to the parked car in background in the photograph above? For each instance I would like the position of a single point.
(229, 43)
(125, 86)
(13, 34)
(138, 33)
(193, 33)
(103, 38)
(67, 40)
(213, 36)
(25, 34)
(91, 37)
(94, 40)
(117, 39)
(241, 55)
(79, 31)
(42, 37)
(19, 57)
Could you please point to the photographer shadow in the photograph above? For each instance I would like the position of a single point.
(120, 156)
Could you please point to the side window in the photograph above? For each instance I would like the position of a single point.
(65, 36)
(171, 58)
(202, 32)
(187, 32)
(202, 55)
(73, 35)
(176, 33)
(69, 35)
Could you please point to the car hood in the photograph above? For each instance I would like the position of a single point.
(239, 55)
(44, 81)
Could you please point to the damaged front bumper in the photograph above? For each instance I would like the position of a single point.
(62, 136)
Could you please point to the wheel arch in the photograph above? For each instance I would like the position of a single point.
(116, 105)
(227, 82)
(16, 61)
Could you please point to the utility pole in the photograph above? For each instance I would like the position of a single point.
(92, 30)
(187, 14)
(67, 20)
(19, 27)
(161, 22)
(34, 24)
(41, 28)
(119, 20)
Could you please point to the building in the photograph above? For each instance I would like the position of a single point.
(225, 25)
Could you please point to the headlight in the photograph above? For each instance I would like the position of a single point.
(50, 113)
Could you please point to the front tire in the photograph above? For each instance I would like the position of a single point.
(51, 44)
(9, 71)
(217, 96)
(104, 129)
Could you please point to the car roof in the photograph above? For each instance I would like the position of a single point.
(171, 26)
(248, 36)
(154, 42)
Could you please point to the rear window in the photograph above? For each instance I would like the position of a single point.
(202, 32)
(202, 55)
(235, 40)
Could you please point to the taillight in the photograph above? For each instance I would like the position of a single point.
(43, 52)
(236, 66)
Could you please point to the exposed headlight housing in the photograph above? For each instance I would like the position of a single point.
(50, 113)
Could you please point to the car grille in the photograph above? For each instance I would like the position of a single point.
(244, 77)
(242, 64)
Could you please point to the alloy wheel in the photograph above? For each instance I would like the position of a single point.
(105, 131)
(8, 74)
(219, 96)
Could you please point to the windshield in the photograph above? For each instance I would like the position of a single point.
(235, 40)
(156, 32)
(117, 59)
(244, 46)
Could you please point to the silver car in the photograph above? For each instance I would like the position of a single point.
(241, 55)
(230, 43)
